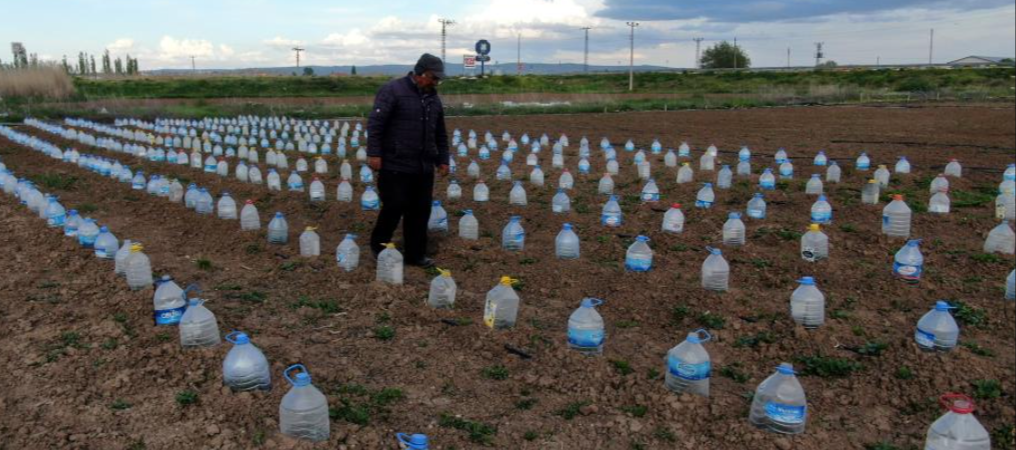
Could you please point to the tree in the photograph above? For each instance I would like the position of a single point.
(82, 64)
(353, 72)
(107, 63)
(725, 56)
(92, 64)
(118, 66)
(828, 65)
(308, 71)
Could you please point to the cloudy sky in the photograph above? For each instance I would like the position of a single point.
(260, 33)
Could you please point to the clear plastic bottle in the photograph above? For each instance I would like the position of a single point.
(863, 162)
(815, 186)
(707, 163)
(567, 181)
(317, 190)
(882, 175)
(310, 243)
(958, 429)
(537, 177)
(345, 171)
(612, 216)
(120, 260)
(254, 175)
(821, 160)
(814, 244)
(56, 214)
(227, 207)
(706, 197)
(651, 192)
(504, 173)
(198, 326)
(303, 413)
(939, 203)
(1005, 206)
(561, 203)
(780, 405)
(903, 166)
(1001, 240)
(744, 169)
(106, 244)
(870, 192)
(673, 220)
(787, 171)
(518, 196)
(481, 193)
(685, 174)
(278, 230)
(939, 184)
(473, 170)
(245, 367)
(390, 266)
(909, 262)
(438, 221)
(586, 330)
(725, 178)
(344, 193)
(567, 245)
(205, 204)
(734, 232)
(715, 272)
(640, 256)
(88, 232)
(822, 211)
(370, 201)
(613, 167)
(502, 306)
(767, 181)
(347, 254)
(454, 193)
(513, 238)
(1010, 286)
(295, 182)
(757, 207)
(954, 169)
(606, 186)
(781, 156)
(689, 367)
(807, 304)
(896, 218)
(670, 160)
(833, 173)
(250, 220)
(274, 180)
(442, 291)
(469, 227)
(169, 302)
(938, 330)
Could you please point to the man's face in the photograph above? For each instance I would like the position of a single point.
(428, 81)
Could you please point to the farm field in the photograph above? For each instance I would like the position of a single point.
(87, 369)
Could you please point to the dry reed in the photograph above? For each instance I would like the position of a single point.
(48, 82)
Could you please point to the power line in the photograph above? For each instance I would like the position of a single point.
(631, 64)
(445, 23)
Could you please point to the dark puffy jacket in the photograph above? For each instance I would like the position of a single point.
(407, 128)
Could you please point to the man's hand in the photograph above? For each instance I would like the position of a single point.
(375, 163)
(443, 170)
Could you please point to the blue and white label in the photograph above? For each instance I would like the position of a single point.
(885, 219)
(586, 338)
(786, 172)
(296, 186)
(611, 220)
(908, 272)
(484, 154)
(366, 177)
(638, 265)
(650, 198)
(101, 253)
(57, 221)
(689, 372)
(924, 338)
(768, 185)
(86, 241)
(821, 217)
(138, 186)
(786, 414)
(370, 205)
(757, 213)
(703, 204)
(863, 165)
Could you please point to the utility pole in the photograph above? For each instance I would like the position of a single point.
(931, 48)
(193, 65)
(631, 63)
(818, 53)
(698, 52)
(586, 59)
(298, 50)
(445, 23)
(736, 51)
(788, 57)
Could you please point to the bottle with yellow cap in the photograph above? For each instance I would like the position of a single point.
(310, 243)
(442, 291)
(138, 268)
(390, 267)
(502, 307)
(814, 244)
(685, 174)
(870, 193)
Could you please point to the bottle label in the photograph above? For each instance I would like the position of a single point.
(87, 241)
(787, 172)
(786, 414)
(638, 265)
(757, 213)
(674, 227)
(490, 314)
(821, 217)
(169, 317)
(612, 220)
(586, 338)
(101, 253)
(703, 204)
(908, 272)
(558, 209)
(689, 372)
(371, 205)
(924, 338)
(296, 186)
(863, 165)
(820, 163)
(768, 185)
(809, 254)
(650, 198)
(999, 212)
(57, 221)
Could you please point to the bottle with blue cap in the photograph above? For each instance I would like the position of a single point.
(822, 211)
(908, 263)
(366, 175)
(278, 230)
(413, 442)
(303, 413)
(780, 405)
(903, 166)
(767, 181)
(169, 302)
(787, 170)
(689, 367)
(586, 331)
(715, 271)
(139, 182)
(561, 203)
(584, 166)
(821, 160)
(205, 203)
(513, 238)
(245, 367)
(705, 197)
(938, 330)
(640, 256)
(734, 232)
(744, 155)
(438, 221)
(88, 232)
(883, 176)
(198, 326)
(757, 207)
(656, 147)
(370, 201)
(807, 304)
(56, 214)
(454, 193)
(504, 172)
(781, 156)
(567, 244)
(72, 223)
(106, 244)
(651, 192)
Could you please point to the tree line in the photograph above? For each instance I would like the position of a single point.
(86, 64)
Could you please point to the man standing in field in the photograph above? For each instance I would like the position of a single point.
(408, 142)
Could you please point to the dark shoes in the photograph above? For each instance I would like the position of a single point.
(423, 263)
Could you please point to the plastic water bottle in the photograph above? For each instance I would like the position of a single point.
(561, 204)
(781, 156)
(807, 304)
(250, 220)
(863, 162)
(72, 223)
(317, 190)
(245, 367)
(120, 260)
(689, 367)
(1010, 173)
(822, 211)
(734, 230)
(715, 272)
(390, 266)
(169, 302)
(870, 193)
(442, 291)
(139, 182)
(780, 405)
(909, 262)
(787, 171)
(958, 429)
(673, 220)
(937, 330)
(567, 244)
(567, 181)
(227, 207)
(821, 160)
(939, 184)
(473, 171)
(584, 166)
(198, 327)
(883, 176)
(705, 197)
(670, 160)
(685, 174)
(651, 192)
(586, 331)
(345, 171)
(347, 254)
(896, 218)
(640, 256)
(767, 181)
(903, 166)
(757, 207)
(724, 178)
(278, 230)
(707, 163)
(744, 154)
(954, 169)
(606, 186)
(513, 238)
(1010, 286)
(833, 173)
(454, 193)
(274, 180)
(518, 196)
(613, 168)
(303, 413)
(310, 243)
(56, 214)
(370, 201)
(344, 193)
(295, 182)
(744, 169)
(502, 306)
(815, 186)
(684, 151)
(814, 244)
(469, 227)
(88, 232)
(438, 221)
(504, 173)
(205, 204)
(106, 244)
(1001, 240)
(611, 216)
(413, 442)
(1005, 206)
(481, 193)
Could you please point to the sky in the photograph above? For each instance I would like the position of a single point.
(227, 34)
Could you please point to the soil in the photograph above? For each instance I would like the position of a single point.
(87, 369)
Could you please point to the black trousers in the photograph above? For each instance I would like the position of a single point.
(408, 198)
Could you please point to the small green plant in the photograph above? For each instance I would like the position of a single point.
(290, 266)
(873, 349)
(528, 261)
(187, 398)
(978, 350)
(497, 373)
(761, 263)
(325, 306)
(734, 372)
(827, 367)
(712, 321)
(163, 337)
(110, 344)
(120, 405)
(1004, 437)
(205, 264)
(384, 333)
(679, 314)
(665, 434)
(87, 208)
(653, 373)
(526, 404)
(55, 181)
(881, 446)
(622, 367)
(848, 228)
(572, 410)
(479, 432)
(987, 389)
(987, 258)
(530, 436)
(626, 324)
(905, 373)
(756, 340)
(637, 411)
(969, 315)
(253, 249)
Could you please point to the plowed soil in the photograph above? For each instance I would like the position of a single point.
(86, 369)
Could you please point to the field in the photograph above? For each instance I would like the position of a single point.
(86, 368)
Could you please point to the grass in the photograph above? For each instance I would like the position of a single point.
(87, 208)
(384, 333)
(873, 349)
(636, 411)
(665, 434)
(187, 398)
(251, 297)
(734, 372)
(1004, 437)
(712, 321)
(827, 367)
(55, 182)
(987, 389)
(967, 199)
(978, 350)
(205, 264)
(756, 340)
(327, 306)
(623, 367)
(120, 405)
(905, 373)
(988, 258)
(526, 404)
(969, 315)
(848, 228)
(530, 436)
(496, 373)
(290, 266)
(479, 432)
(359, 405)
(572, 410)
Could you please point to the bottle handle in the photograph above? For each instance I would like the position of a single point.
(403, 439)
(192, 288)
(299, 367)
(231, 337)
(704, 332)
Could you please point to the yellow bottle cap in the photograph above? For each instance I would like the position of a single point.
(872, 181)
(508, 281)
(390, 246)
(137, 248)
(815, 227)
(445, 273)
(311, 229)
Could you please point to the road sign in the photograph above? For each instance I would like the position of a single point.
(469, 62)
(483, 47)
(483, 58)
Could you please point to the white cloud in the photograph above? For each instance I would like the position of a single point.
(122, 45)
(170, 47)
(283, 43)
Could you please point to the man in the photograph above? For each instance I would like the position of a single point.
(407, 142)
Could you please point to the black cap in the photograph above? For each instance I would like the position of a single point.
(430, 63)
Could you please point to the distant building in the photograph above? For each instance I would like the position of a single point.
(980, 61)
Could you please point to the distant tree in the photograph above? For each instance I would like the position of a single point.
(308, 71)
(107, 63)
(828, 65)
(33, 60)
(130, 65)
(353, 72)
(1008, 62)
(91, 64)
(118, 66)
(725, 56)
(82, 64)
(66, 67)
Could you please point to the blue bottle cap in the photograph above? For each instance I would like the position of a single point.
(568, 227)
(815, 175)
(735, 216)
(807, 281)
(759, 195)
(699, 336)
(301, 379)
(238, 338)
(104, 229)
(437, 203)
(943, 306)
(591, 302)
(786, 369)
(278, 215)
(642, 239)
